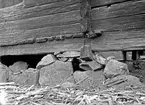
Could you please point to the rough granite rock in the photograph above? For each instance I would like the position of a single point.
(56, 73)
(26, 78)
(18, 66)
(92, 65)
(114, 68)
(100, 59)
(124, 81)
(4, 73)
(89, 79)
(46, 60)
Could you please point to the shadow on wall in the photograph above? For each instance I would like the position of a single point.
(32, 60)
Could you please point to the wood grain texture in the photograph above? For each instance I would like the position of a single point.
(120, 23)
(17, 12)
(8, 3)
(54, 46)
(40, 22)
(120, 40)
(40, 32)
(53, 18)
(119, 10)
(98, 3)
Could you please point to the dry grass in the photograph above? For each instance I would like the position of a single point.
(11, 94)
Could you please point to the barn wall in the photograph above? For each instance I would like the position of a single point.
(122, 23)
(36, 25)
(40, 26)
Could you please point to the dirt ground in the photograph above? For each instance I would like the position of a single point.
(137, 68)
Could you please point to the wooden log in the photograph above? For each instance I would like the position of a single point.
(120, 23)
(41, 11)
(98, 3)
(7, 3)
(40, 22)
(54, 46)
(119, 10)
(18, 12)
(40, 32)
(120, 40)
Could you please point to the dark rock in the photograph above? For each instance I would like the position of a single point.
(46, 60)
(92, 65)
(56, 73)
(18, 66)
(4, 73)
(114, 68)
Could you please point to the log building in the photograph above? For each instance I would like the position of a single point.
(42, 26)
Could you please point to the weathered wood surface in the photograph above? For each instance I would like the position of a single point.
(122, 16)
(17, 12)
(40, 32)
(37, 48)
(119, 10)
(120, 40)
(7, 3)
(99, 3)
(40, 22)
(49, 18)
(122, 25)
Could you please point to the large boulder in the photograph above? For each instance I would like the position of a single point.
(4, 73)
(25, 78)
(114, 68)
(89, 79)
(18, 66)
(55, 73)
(46, 60)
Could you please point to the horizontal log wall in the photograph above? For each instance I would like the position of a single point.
(31, 23)
(122, 23)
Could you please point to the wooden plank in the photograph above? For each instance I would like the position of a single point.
(98, 3)
(40, 22)
(54, 46)
(40, 32)
(36, 12)
(117, 54)
(120, 23)
(119, 10)
(19, 10)
(120, 40)
(7, 3)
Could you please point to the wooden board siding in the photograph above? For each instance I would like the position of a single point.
(122, 25)
(99, 3)
(30, 23)
(38, 48)
(34, 24)
(8, 3)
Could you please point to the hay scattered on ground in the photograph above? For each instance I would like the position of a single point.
(11, 94)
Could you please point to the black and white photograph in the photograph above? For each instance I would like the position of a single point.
(72, 52)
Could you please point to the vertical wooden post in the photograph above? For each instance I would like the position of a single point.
(124, 53)
(134, 55)
(86, 21)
